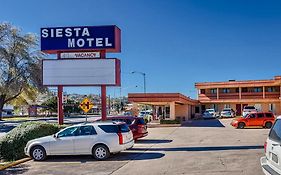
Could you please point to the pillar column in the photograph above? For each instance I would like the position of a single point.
(240, 93)
(263, 92)
(172, 111)
(218, 93)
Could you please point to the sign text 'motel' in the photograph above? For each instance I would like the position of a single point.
(59, 39)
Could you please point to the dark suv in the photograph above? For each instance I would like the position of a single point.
(136, 124)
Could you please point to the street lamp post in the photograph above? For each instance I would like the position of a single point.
(144, 83)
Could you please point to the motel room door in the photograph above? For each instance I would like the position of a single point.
(238, 109)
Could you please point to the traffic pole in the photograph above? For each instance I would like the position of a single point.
(103, 94)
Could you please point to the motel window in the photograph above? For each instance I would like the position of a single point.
(244, 89)
(272, 108)
(225, 90)
(167, 112)
(214, 106)
(257, 89)
(271, 89)
(227, 106)
(213, 91)
(237, 90)
(202, 91)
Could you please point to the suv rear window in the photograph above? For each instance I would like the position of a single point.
(109, 128)
(140, 121)
(114, 128)
(275, 132)
(268, 115)
(124, 128)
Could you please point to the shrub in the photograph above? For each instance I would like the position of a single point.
(170, 121)
(13, 143)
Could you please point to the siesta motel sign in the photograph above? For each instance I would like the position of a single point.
(67, 39)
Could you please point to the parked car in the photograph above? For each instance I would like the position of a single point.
(208, 115)
(227, 112)
(212, 112)
(98, 139)
(264, 119)
(146, 115)
(270, 163)
(136, 124)
(248, 110)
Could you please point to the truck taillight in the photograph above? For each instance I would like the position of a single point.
(265, 144)
(120, 138)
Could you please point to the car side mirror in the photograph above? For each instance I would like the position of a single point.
(55, 136)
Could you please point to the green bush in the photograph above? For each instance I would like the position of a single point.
(13, 143)
(170, 121)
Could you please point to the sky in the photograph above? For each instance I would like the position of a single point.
(176, 43)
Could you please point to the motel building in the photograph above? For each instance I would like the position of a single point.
(265, 95)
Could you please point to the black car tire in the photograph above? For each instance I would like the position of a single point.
(268, 125)
(241, 125)
(38, 153)
(100, 152)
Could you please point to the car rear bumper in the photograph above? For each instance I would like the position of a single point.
(267, 168)
(140, 135)
(127, 145)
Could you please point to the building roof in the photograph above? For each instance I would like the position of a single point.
(245, 83)
(160, 98)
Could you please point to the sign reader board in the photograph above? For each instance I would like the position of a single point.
(60, 39)
(81, 72)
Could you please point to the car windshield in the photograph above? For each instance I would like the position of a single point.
(210, 110)
(226, 110)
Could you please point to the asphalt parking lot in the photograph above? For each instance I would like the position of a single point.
(199, 147)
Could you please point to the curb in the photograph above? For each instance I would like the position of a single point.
(17, 162)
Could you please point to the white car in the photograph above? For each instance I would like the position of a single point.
(208, 115)
(212, 112)
(270, 163)
(146, 115)
(227, 112)
(248, 109)
(98, 139)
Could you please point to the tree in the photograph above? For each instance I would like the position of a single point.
(70, 107)
(20, 66)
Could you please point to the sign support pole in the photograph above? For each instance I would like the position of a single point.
(60, 100)
(60, 107)
(103, 94)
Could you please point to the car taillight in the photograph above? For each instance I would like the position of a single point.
(265, 144)
(120, 137)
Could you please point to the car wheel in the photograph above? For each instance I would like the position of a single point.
(100, 152)
(241, 125)
(268, 125)
(38, 153)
